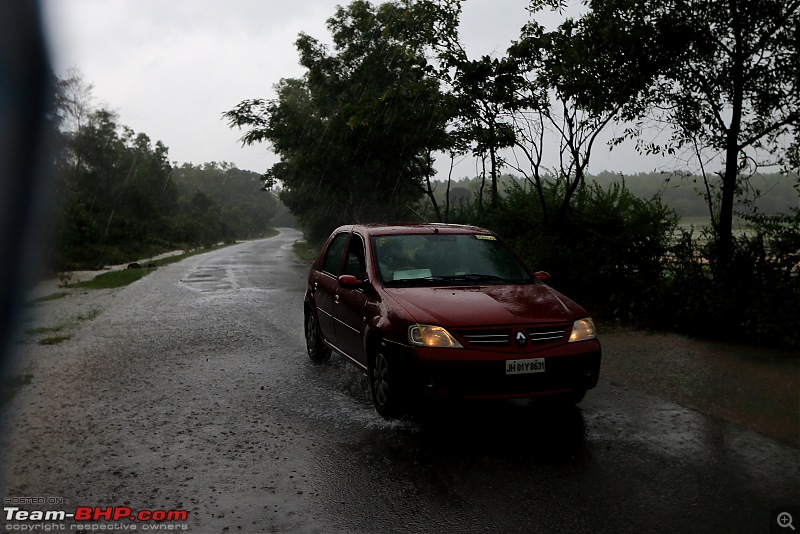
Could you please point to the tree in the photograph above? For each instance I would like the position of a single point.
(573, 82)
(737, 92)
(73, 100)
(355, 134)
(727, 84)
(219, 195)
(114, 186)
(483, 90)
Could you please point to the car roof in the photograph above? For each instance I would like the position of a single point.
(405, 229)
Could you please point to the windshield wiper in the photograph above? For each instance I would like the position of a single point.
(473, 278)
(467, 278)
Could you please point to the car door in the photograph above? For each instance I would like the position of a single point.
(325, 286)
(350, 303)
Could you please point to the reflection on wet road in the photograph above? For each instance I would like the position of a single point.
(208, 401)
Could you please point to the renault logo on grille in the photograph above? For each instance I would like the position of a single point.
(521, 338)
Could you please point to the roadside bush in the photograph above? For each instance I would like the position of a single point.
(624, 258)
(606, 250)
(754, 300)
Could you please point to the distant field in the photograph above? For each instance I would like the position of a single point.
(698, 222)
(740, 227)
(701, 222)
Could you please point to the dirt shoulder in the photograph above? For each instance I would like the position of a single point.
(754, 387)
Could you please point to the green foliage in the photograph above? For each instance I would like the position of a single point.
(355, 133)
(606, 252)
(55, 340)
(114, 279)
(769, 194)
(218, 202)
(624, 258)
(755, 298)
(11, 385)
(305, 252)
(53, 296)
(115, 194)
(724, 79)
(119, 199)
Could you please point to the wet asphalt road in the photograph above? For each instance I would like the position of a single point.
(193, 391)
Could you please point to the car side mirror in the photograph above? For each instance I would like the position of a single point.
(542, 276)
(348, 281)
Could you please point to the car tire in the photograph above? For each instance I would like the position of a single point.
(386, 383)
(317, 350)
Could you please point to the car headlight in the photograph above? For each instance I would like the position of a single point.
(583, 329)
(425, 335)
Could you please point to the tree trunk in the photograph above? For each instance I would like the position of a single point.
(725, 227)
(493, 155)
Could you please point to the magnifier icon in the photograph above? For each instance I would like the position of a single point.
(785, 520)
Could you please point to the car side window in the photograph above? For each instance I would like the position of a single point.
(334, 254)
(355, 263)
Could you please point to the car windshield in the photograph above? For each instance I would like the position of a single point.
(445, 259)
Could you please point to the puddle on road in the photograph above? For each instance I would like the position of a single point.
(207, 278)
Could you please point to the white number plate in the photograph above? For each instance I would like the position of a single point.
(519, 367)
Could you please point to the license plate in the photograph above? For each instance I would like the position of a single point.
(521, 367)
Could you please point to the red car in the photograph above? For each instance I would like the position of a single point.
(445, 310)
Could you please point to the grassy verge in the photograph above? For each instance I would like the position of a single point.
(12, 385)
(52, 296)
(305, 252)
(56, 339)
(124, 277)
(113, 279)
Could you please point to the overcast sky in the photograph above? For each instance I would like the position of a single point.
(171, 68)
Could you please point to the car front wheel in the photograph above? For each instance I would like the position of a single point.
(317, 350)
(386, 384)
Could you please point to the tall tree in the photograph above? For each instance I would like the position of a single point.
(572, 83)
(727, 85)
(355, 133)
(483, 89)
(737, 91)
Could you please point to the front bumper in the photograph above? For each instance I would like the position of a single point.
(464, 373)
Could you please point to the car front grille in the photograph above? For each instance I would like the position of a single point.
(497, 338)
(543, 335)
(503, 337)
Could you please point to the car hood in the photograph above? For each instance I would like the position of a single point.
(486, 305)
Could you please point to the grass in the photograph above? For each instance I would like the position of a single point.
(305, 252)
(90, 316)
(114, 279)
(52, 296)
(55, 340)
(12, 385)
(46, 330)
(124, 277)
